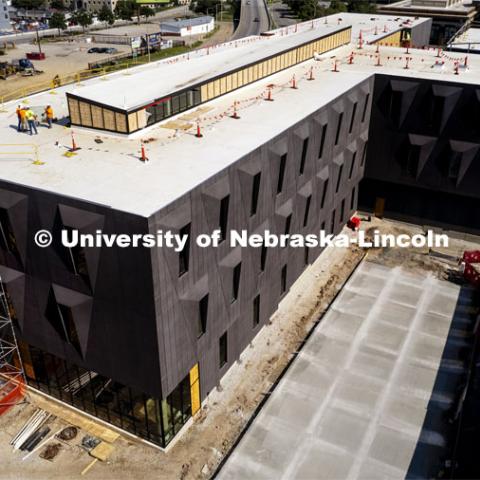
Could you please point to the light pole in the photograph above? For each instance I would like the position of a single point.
(148, 45)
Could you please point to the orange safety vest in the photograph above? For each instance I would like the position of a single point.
(49, 112)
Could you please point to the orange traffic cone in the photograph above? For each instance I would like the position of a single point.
(75, 147)
(199, 133)
(143, 155)
(235, 113)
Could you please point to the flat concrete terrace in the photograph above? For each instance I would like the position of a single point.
(468, 41)
(461, 7)
(353, 402)
(111, 174)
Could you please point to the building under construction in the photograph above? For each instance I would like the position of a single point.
(258, 134)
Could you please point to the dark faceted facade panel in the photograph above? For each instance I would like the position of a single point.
(138, 337)
(425, 140)
(77, 303)
(304, 179)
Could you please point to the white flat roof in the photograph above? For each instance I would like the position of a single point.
(468, 41)
(165, 77)
(462, 7)
(111, 174)
(373, 26)
(353, 403)
(187, 22)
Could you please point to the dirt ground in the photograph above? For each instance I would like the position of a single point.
(201, 447)
(64, 58)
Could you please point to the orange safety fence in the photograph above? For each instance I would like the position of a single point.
(12, 389)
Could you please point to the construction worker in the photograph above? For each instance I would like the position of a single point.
(23, 119)
(49, 115)
(31, 117)
(18, 111)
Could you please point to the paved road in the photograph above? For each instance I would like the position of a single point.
(281, 15)
(26, 37)
(251, 10)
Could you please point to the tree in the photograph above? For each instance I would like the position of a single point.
(308, 9)
(146, 11)
(336, 6)
(57, 4)
(106, 15)
(28, 4)
(362, 6)
(125, 9)
(82, 18)
(57, 20)
(204, 6)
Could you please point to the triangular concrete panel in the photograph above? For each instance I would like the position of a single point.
(14, 283)
(408, 91)
(16, 205)
(451, 96)
(85, 222)
(468, 151)
(81, 308)
(426, 145)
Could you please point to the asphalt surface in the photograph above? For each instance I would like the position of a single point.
(281, 15)
(26, 37)
(252, 10)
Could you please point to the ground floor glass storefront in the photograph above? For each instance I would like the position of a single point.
(154, 419)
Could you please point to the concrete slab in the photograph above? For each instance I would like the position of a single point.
(354, 405)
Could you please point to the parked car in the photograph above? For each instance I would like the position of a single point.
(94, 50)
(110, 50)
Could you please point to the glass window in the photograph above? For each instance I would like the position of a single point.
(202, 316)
(281, 172)
(184, 255)
(256, 311)
(236, 281)
(223, 354)
(322, 141)
(283, 282)
(183, 101)
(223, 217)
(263, 257)
(352, 119)
(77, 258)
(255, 193)
(151, 418)
(352, 165)
(339, 178)
(307, 210)
(303, 156)
(197, 97)
(324, 193)
(8, 241)
(339, 128)
(175, 104)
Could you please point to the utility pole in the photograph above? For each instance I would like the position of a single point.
(38, 41)
(148, 46)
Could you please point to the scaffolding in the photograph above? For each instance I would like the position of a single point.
(12, 377)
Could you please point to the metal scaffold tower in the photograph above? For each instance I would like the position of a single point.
(12, 378)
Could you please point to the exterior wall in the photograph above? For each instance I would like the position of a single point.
(423, 157)
(393, 40)
(115, 322)
(4, 16)
(421, 33)
(211, 269)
